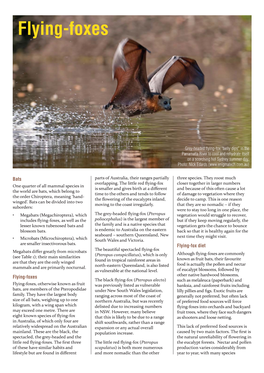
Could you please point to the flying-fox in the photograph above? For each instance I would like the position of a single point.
(136, 93)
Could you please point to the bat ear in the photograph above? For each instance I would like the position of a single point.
(160, 97)
(171, 98)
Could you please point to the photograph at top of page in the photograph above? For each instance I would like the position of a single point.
(132, 92)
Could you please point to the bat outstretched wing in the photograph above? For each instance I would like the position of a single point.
(129, 69)
(176, 70)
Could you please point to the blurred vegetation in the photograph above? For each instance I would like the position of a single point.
(211, 37)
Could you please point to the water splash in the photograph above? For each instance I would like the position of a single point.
(198, 124)
(51, 120)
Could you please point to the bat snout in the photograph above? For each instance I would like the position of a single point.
(168, 107)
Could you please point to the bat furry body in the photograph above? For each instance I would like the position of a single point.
(136, 93)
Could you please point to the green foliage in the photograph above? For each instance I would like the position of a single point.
(247, 38)
(246, 18)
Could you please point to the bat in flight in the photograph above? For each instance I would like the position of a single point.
(136, 93)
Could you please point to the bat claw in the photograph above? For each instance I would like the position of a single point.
(106, 106)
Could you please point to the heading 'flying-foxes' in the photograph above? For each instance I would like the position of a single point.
(136, 93)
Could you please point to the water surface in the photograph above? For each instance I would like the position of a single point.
(59, 121)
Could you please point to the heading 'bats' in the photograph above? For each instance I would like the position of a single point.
(136, 93)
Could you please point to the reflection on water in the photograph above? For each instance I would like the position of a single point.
(59, 121)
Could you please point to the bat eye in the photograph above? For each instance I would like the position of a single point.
(165, 102)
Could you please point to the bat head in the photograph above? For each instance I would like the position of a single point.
(164, 102)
